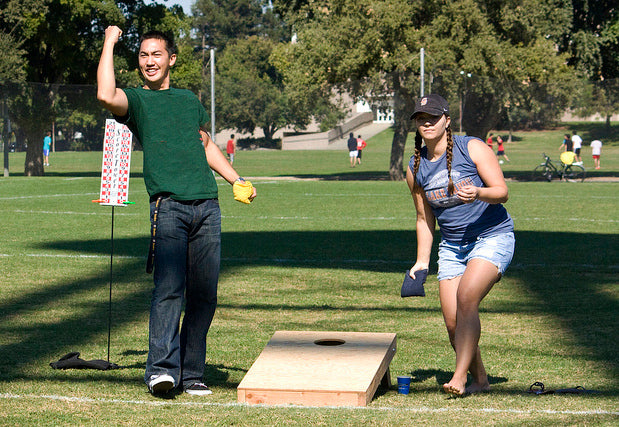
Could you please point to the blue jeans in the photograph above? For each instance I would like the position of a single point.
(186, 270)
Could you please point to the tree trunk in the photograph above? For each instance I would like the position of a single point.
(269, 131)
(34, 114)
(403, 105)
(33, 166)
(396, 166)
(480, 116)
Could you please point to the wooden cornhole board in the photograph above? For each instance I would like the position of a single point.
(319, 369)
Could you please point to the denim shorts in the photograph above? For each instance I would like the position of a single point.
(453, 257)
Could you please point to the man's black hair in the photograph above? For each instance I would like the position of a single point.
(168, 39)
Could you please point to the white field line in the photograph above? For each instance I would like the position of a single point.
(564, 219)
(557, 196)
(82, 256)
(317, 218)
(356, 195)
(421, 409)
(45, 196)
(407, 195)
(400, 218)
(70, 212)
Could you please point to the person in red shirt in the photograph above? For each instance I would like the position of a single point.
(500, 149)
(230, 147)
(361, 144)
(489, 140)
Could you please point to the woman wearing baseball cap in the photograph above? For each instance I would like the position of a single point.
(457, 182)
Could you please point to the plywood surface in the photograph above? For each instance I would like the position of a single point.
(292, 368)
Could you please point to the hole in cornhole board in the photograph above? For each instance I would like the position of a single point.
(316, 368)
(329, 342)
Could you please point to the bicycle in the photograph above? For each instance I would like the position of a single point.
(547, 170)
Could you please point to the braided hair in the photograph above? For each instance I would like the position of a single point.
(449, 158)
(417, 155)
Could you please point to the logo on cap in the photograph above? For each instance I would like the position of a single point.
(424, 101)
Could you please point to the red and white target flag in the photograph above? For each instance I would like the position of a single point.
(116, 164)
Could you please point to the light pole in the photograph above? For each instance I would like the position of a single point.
(213, 94)
(462, 96)
(203, 48)
(423, 71)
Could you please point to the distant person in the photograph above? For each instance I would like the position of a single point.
(567, 144)
(596, 152)
(352, 149)
(361, 144)
(456, 181)
(577, 143)
(47, 143)
(230, 148)
(489, 141)
(501, 149)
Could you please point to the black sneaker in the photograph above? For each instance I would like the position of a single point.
(160, 384)
(198, 389)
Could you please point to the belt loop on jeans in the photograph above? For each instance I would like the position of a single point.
(150, 260)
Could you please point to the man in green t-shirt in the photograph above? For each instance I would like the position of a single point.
(186, 221)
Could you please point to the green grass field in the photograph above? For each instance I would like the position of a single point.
(326, 253)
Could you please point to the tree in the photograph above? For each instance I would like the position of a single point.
(593, 46)
(54, 54)
(594, 37)
(600, 97)
(14, 17)
(223, 21)
(61, 42)
(220, 25)
(250, 89)
(370, 49)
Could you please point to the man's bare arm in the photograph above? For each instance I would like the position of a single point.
(112, 98)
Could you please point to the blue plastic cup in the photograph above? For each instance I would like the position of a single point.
(404, 385)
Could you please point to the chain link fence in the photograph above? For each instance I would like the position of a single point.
(76, 120)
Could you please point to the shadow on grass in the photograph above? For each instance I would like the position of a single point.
(591, 174)
(359, 175)
(219, 375)
(421, 375)
(441, 376)
(355, 175)
(518, 175)
(48, 339)
(567, 273)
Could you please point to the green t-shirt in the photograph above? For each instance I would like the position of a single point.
(167, 122)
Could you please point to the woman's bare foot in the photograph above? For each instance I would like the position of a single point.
(477, 388)
(454, 390)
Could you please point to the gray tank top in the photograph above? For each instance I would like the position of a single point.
(459, 222)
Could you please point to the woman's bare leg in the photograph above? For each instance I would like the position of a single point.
(460, 298)
(448, 295)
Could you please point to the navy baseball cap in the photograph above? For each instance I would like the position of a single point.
(432, 104)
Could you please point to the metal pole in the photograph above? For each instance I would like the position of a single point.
(462, 100)
(213, 94)
(203, 48)
(421, 55)
(109, 318)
